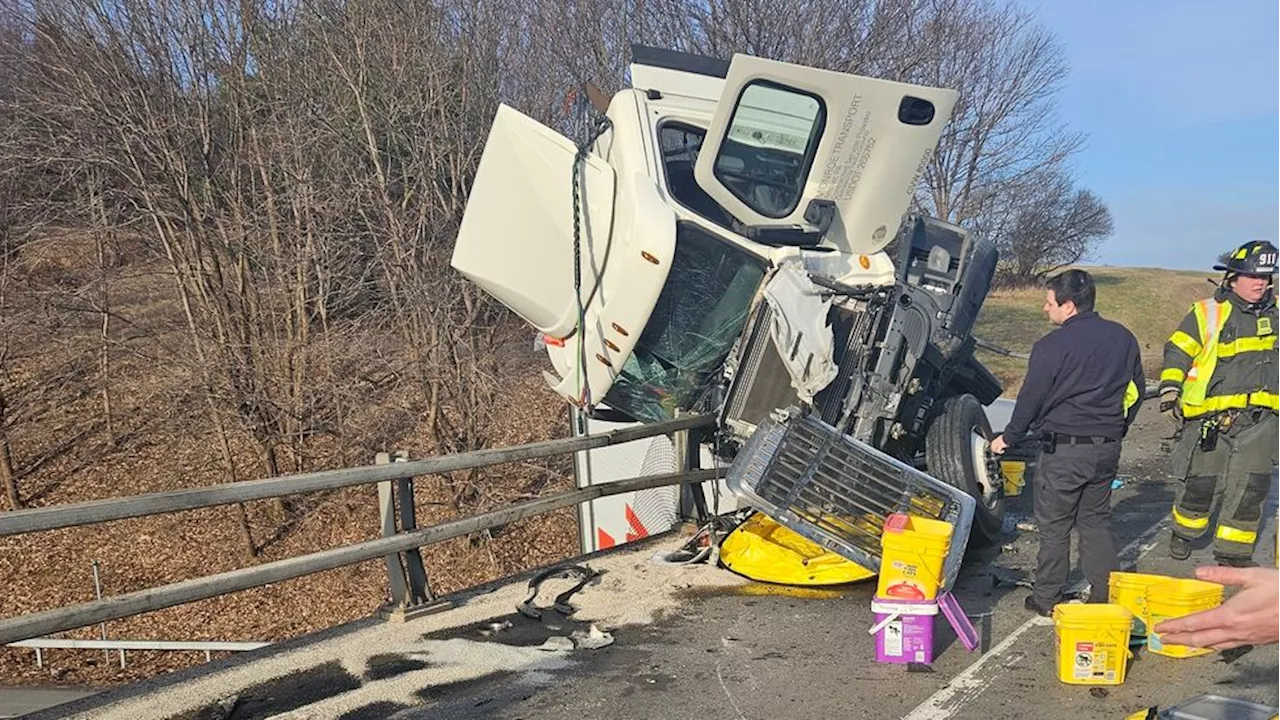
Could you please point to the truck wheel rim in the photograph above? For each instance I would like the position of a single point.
(979, 450)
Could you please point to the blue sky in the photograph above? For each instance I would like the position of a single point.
(1179, 100)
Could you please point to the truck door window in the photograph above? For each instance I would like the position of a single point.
(680, 145)
(765, 157)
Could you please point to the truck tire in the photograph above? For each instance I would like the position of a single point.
(951, 457)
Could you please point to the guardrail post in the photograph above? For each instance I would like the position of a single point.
(693, 502)
(97, 593)
(419, 590)
(387, 511)
(410, 591)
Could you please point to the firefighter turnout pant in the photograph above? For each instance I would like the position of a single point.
(1234, 476)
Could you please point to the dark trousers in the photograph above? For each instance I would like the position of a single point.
(1073, 490)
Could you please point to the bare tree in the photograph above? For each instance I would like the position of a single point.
(10, 176)
(1005, 128)
(22, 219)
(299, 171)
(1059, 225)
(8, 476)
(302, 171)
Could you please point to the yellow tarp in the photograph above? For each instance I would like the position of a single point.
(763, 550)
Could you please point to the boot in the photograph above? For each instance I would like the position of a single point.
(1179, 547)
(1032, 606)
(1234, 561)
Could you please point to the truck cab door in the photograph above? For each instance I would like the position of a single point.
(826, 155)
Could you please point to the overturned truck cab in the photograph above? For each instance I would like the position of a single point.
(722, 243)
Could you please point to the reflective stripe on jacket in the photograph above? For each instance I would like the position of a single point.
(1223, 356)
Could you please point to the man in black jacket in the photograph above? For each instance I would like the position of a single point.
(1083, 388)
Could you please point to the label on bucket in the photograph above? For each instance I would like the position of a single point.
(1091, 661)
(893, 638)
(904, 581)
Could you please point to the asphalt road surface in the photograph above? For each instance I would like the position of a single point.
(18, 701)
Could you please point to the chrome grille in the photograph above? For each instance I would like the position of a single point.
(837, 491)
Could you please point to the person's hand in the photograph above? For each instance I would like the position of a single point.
(998, 446)
(1250, 617)
(1170, 408)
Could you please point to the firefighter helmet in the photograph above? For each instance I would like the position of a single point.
(1256, 257)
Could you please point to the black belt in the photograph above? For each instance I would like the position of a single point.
(1081, 439)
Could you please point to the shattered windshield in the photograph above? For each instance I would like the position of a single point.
(699, 315)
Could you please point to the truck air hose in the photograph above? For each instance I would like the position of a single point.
(584, 385)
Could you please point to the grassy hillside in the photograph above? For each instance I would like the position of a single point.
(1148, 302)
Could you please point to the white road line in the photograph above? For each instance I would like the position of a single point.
(972, 681)
(727, 694)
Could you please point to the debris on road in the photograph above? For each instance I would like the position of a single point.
(494, 628)
(1208, 706)
(1010, 577)
(556, 643)
(592, 639)
(584, 574)
(1234, 654)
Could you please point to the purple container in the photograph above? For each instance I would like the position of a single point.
(904, 630)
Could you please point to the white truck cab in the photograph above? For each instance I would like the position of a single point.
(799, 162)
(721, 245)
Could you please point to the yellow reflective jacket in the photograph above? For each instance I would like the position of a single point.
(1223, 356)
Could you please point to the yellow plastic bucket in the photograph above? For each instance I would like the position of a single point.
(1173, 599)
(1130, 590)
(1014, 474)
(1091, 643)
(913, 551)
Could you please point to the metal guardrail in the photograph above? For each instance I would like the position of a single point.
(193, 645)
(37, 624)
(97, 511)
(120, 646)
(208, 647)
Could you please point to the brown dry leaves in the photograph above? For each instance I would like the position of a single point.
(165, 445)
